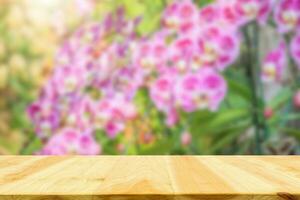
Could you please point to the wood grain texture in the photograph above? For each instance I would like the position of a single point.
(150, 177)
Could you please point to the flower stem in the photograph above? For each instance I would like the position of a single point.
(295, 74)
(252, 62)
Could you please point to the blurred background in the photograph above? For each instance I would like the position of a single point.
(32, 32)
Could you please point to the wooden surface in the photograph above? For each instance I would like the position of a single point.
(150, 177)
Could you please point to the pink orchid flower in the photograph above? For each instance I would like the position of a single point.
(229, 15)
(287, 15)
(70, 141)
(216, 48)
(81, 115)
(295, 49)
(69, 79)
(161, 92)
(215, 85)
(189, 92)
(150, 55)
(185, 138)
(113, 128)
(171, 117)
(181, 16)
(252, 9)
(274, 64)
(202, 90)
(181, 53)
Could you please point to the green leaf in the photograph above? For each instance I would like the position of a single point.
(160, 147)
(292, 132)
(239, 88)
(229, 116)
(202, 3)
(221, 131)
(221, 143)
(281, 98)
(207, 121)
(134, 8)
(33, 146)
(149, 24)
(108, 145)
(206, 126)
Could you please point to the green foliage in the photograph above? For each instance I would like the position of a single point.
(149, 10)
(202, 3)
(32, 146)
(161, 147)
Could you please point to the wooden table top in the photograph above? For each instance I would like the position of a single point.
(150, 177)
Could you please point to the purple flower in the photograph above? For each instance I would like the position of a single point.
(287, 15)
(71, 141)
(295, 48)
(274, 64)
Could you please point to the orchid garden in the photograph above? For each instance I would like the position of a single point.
(150, 77)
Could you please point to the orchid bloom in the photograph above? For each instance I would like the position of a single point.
(295, 49)
(181, 16)
(274, 63)
(71, 141)
(287, 15)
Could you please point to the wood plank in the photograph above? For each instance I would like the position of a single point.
(150, 177)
